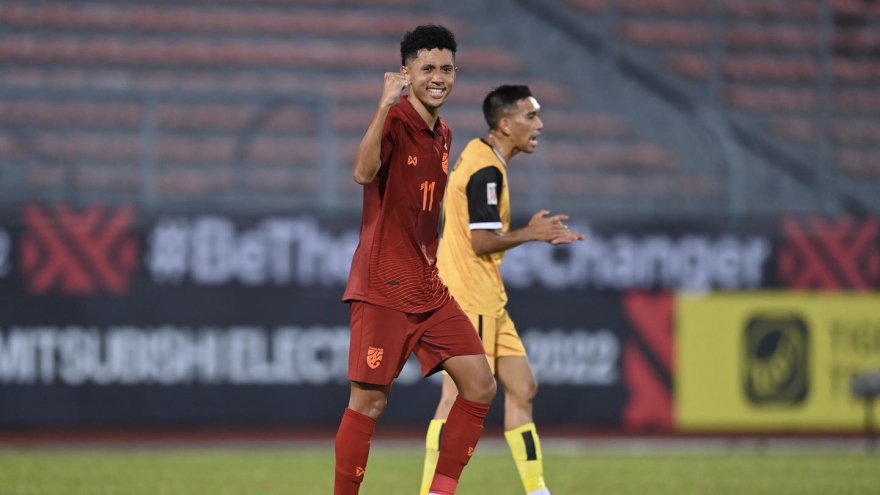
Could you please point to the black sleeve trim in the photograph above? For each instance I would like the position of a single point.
(484, 193)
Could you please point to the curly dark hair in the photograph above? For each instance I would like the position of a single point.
(426, 37)
(501, 99)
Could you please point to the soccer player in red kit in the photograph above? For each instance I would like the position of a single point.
(398, 303)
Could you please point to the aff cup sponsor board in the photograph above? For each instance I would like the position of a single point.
(102, 251)
(108, 315)
(170, 359)
(774, 361)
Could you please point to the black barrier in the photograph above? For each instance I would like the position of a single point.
(110, 317)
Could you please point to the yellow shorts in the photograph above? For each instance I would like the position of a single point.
(499, 336)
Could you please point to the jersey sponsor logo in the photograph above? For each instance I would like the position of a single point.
(412, 160)
(492, 193)
(374, 357)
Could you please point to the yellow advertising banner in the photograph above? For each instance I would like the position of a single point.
(767, 361)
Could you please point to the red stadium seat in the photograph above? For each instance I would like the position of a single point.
(625, 186)
(784, 38)
(665, 7)
(665, 34)
(779, 99)
(628, 156)
(224, 19)
(45, 177)
(858, 131)
(858, 163)
(589, 6)
(772, 9)
(108, 178)
(231, 55)
(192, 183)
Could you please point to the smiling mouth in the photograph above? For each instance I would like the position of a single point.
(436, 91)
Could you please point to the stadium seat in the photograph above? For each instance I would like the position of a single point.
(786, 38)
(858, 163)
(627, 186)
(769, 63)
(771, 10)
(90, 71)
(857, 131)
(230, 19)
(119, 178)
(627, 155)
(665, 34)
(664, 7)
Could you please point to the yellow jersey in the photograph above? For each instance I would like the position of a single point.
(477, 198)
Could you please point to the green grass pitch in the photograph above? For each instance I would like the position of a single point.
(396, 472)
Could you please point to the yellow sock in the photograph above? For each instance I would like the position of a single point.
(526, 450)
(432, 452)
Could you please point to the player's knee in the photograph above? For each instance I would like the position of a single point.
(446, 401)
(522, 392)
(530, 390)
(486, 391)
(372, 405)
(479, 389)
(376, 407)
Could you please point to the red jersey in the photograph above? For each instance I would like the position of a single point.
(395, 264)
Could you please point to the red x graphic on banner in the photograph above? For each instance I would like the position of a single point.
(830, 255)
(78, 253)
(650, 402)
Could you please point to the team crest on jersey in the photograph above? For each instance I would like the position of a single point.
(445, 163)
(374, 357)
(492, 193)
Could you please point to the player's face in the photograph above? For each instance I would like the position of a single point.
(431, 76)
(525, 124)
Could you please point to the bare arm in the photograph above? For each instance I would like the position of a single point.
(368, 157)
(540, 228)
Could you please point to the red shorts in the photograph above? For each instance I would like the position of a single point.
(382, 340)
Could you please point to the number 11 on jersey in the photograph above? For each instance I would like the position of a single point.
(427, 188)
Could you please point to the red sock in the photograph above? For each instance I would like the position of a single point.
(352, 451)
(464, 425)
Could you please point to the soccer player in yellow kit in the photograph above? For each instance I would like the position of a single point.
(475, 235)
